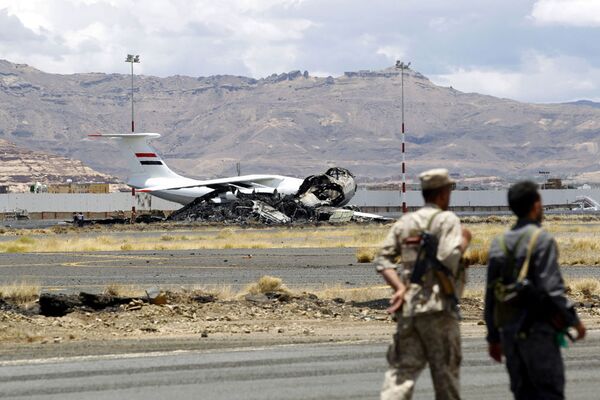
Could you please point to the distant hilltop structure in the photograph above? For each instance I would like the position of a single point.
(386, 73)
(365, 73)
(289, 76)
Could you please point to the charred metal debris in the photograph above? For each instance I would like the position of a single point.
(320, 198)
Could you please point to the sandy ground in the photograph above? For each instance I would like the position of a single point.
(187, 324)
(183, 323)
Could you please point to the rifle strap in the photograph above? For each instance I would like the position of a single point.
(511, 256)
(525, 267)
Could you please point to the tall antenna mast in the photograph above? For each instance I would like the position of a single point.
(401, 66)
(132, 59)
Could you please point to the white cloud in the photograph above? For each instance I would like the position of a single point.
(168, 34)
(481, 80)
(567, 12)
(392, 53)
(264, 60)
(539, 78)
(463, 43)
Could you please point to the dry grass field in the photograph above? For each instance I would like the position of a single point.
(577, 237)
(23, 292)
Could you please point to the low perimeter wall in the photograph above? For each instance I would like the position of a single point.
(61, 206)
(386, 202)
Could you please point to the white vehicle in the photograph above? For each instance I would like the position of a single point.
(149, 173)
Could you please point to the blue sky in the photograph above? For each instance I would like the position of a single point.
(535, 51)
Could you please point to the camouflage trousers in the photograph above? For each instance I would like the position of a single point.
(432, 339)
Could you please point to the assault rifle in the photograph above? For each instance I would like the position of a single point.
(427, 259)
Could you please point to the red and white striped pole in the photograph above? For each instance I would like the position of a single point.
(402, 67)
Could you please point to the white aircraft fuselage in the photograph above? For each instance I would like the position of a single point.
(182, 193)
(149, 173)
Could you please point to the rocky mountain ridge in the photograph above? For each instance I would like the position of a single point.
(297, 124)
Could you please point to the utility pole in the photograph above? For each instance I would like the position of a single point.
(402, 66)
(132, 59)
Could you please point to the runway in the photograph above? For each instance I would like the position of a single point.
(307, 371)
(299, 268)
(93, 271)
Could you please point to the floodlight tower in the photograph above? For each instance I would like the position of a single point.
(132, 59)
(402, 66)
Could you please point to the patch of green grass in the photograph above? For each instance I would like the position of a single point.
(25, 240)
(15, 248)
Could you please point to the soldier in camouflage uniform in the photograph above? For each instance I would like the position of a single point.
(428, 329)
(522, 323)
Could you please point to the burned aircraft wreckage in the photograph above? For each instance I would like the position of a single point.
(319, 198)
(260, 197)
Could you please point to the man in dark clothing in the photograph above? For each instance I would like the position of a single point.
(525, 304)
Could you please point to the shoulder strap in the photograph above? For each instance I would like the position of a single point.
(532, 242)
(435, 214)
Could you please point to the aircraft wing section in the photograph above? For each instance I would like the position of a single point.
(245, 183)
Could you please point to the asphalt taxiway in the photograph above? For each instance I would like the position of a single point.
(299, 268)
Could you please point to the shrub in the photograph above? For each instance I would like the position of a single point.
(20, 292)
(267, 284)
(365, 254)
(225, 233)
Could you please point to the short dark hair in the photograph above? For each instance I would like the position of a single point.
(522, 196)
(430, 194)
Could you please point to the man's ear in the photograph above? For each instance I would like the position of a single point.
(534, 214)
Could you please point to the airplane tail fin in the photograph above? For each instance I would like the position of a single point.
(146, 167)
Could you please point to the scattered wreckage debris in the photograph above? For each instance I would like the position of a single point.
(17, 214)
(118, 218)
(320, 198)
(58, 305)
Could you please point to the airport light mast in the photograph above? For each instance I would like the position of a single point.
(402, 66)
(132, 59)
